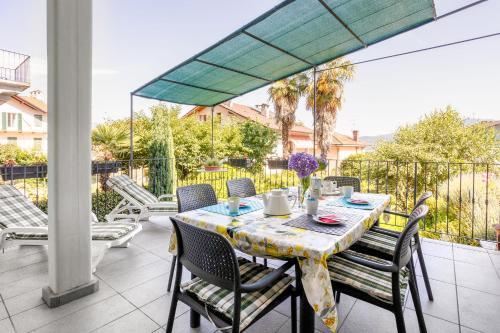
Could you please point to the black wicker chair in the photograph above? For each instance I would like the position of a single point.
(230, 292)
(241, 187)
(190, 198)
(346, 181)
(380, 282)
(381, 242)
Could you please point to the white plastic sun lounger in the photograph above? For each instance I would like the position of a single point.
(138, 203)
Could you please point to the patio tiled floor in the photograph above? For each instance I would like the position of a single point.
(133, 297)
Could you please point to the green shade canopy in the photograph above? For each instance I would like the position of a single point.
(292, 37)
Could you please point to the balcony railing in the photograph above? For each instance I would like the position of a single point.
(14, 66)
(465, 205)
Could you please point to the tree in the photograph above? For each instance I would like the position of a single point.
(162, 171)
(110, 140)
(259, 141)
(329, 95)
(285, 95)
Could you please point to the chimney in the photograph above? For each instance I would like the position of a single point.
(355, 135)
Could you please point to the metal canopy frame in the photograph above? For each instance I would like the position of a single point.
(266, 81)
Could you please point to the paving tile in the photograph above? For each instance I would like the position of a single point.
(270, 323)
(24, 301)
(468, 247)
(123, 267)
(365, 317)
(133, 322)
(19, 287)
(495, 259)
(91, 317)
(16, 252)
(464, 329)
(6, 326)
(16, 263)
(3, 311)
(116, 254)
(23, 272)
(444, 305)
(158, 309)
(479, 278)
(438, 269)
(479, 310)
(138, 276)
(162, 251)
(42, 315)
(181, 324)
(478, 258)
(148, 291)
(287, 328)
(437, 249)
(432, 324)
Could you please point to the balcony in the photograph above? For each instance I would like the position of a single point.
(14, 74)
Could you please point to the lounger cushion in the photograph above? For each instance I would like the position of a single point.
(373, 282)
(127, 185)
(379, 242)
(222, 300)
(18, 212)
(100, 231)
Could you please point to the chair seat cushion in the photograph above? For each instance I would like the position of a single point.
(380, 242)
(222, 300)
(373, 282)
(100, 231)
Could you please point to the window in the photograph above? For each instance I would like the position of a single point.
(38, 120)
(37, 144)
(218, 117)
(202, 117)
(12, 140)
(11, 119)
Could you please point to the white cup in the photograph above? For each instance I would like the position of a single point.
(347, 191)
(327, 186)
(233, 204)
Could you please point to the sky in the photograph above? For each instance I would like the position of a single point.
(135, 41)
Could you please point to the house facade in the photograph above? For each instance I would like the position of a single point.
(301, 137)
(23, 122)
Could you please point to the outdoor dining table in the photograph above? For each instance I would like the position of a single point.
(273, 237)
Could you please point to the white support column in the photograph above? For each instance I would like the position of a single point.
(69, 50)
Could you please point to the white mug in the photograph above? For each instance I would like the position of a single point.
(347, 191)
(233, 204)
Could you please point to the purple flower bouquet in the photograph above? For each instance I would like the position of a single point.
(304, 165)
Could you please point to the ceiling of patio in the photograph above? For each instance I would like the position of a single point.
(294, 36)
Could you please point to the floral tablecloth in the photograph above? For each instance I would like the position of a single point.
(263, 236)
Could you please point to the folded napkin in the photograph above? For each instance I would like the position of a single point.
(331, 219)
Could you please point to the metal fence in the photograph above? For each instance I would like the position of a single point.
(465, 205)
(14, 66)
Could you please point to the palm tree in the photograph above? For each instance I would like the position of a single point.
(110, 141)
(285, 95)
(329, 96)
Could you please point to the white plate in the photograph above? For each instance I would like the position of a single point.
(337, 192)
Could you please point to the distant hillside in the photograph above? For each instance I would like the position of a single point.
(371, 140)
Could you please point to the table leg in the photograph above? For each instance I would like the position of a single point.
(306, 311)
(194, 317)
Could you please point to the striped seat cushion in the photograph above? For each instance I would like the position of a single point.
(18, 212)
(380, 242)
(222, 300)
(128, 186)
(100, 231)
(373, 282)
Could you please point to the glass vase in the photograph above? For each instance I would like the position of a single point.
(302, 190)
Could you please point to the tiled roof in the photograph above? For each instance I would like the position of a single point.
(33, 102)
(251, 113)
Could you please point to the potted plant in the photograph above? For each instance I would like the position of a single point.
(277, 164)
(242, 162)
(212, 164)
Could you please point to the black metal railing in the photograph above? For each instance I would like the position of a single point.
(465, 205)
(14, 66)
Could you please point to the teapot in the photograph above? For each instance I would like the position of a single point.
(276, 203)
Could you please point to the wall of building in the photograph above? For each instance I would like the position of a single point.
(27, 125)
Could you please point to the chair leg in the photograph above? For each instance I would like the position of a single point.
(400, 320)
(254, 259)
(265, 262)
(171, 275)
(337, 297)
(293, 302)
(416, 302)
(424, 269)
